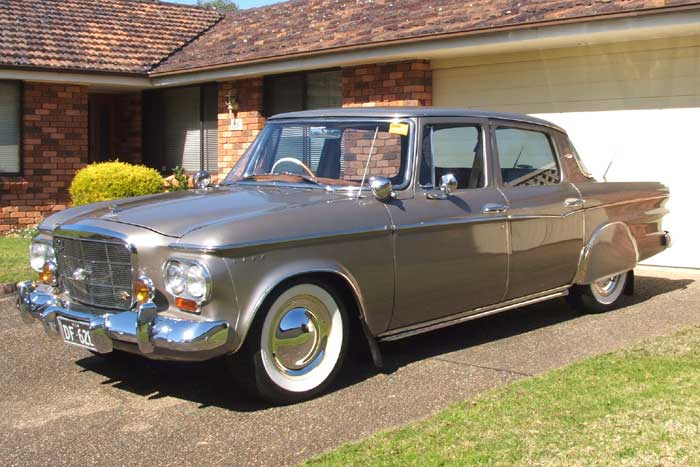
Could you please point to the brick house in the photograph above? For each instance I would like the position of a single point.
(170, 85)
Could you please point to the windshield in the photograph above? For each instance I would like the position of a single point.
(323, 152)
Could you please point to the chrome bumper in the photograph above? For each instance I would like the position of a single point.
(144, 327)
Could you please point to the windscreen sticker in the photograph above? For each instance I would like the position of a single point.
(399, 129)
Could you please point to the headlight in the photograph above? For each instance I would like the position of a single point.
(39, 254)
(175, 277)
(196, 280)
(187, 279)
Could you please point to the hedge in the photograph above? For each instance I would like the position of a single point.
(104, 181)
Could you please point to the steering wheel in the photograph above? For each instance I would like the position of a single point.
(296, 161)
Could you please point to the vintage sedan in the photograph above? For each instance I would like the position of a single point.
(378, 223)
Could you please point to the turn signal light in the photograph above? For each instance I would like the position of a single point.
(144, 289)
(185, 304)
(48, 273)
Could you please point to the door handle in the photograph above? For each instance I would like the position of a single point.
(573, 202)
(492, 208)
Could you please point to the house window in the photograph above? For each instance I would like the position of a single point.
(181, 128)
(303, 91)
(9, 127)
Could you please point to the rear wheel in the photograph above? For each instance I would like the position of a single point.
(600, 296)
(296, 345)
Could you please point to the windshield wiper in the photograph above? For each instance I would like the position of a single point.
(304, 178)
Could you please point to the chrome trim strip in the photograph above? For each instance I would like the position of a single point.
(245, 247)
(472, 314)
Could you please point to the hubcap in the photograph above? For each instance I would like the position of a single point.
(606, 287)
(299, 335)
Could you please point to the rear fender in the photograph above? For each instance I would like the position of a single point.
(611, 250)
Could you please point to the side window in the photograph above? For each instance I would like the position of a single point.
(452, 148)
(526, 158)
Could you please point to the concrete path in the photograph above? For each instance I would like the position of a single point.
(60, 405)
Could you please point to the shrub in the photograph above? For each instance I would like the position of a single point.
(104, 181)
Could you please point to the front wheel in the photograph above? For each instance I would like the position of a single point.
(600, 296)
(296, 345)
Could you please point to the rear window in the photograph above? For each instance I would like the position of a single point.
(526, 157)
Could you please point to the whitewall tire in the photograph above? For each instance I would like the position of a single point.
(297, 343)
(600, 296)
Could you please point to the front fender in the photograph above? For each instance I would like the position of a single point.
(268, 278)
(611, 250)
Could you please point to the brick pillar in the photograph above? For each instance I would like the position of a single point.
(407, 83)
(54, 146)
(233, 143)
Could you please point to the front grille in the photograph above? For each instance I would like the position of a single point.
(95, 272)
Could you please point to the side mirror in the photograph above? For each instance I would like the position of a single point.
(448, 185)
(202, 179)
(381, 188)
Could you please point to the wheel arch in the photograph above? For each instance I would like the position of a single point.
(341, 279)
(611, 250)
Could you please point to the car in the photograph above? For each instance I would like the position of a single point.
(368, 225)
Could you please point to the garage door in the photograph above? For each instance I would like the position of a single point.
(636, 104)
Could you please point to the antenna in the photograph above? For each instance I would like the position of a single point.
(369, 157)
(605, 174)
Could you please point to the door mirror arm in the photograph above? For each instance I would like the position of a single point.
(448, 185)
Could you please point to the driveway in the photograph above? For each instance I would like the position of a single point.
(62, 406)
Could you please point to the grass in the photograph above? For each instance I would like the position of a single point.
(639, 407)
(14, 260)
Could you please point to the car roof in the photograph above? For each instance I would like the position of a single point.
(407, 112)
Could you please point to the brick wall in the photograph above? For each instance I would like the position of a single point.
(407, 83)
(54, 146)
(233, 143)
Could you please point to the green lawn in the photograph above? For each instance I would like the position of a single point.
(14, 260)
(639, 407)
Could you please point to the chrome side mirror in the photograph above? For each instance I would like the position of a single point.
(381, 188)
(202, 179)
(448, 185)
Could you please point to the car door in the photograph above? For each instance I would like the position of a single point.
(450, 258)
(544, 210)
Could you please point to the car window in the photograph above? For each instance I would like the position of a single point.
(337, 152)
(455, 149)
(526, 157)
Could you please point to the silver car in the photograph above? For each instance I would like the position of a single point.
(383, 223)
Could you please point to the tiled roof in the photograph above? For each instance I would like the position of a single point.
(303, 26)
(97, 35)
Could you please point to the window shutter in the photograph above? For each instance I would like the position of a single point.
(284, 94)
(324, 90)
(211, 127)
(9, 127)
(182, 132)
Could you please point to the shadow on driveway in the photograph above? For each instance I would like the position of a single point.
(209, 384)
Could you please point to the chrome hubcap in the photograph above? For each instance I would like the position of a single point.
(606, 287)
(299, 335)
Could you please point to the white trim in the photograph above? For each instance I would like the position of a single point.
(542, 37)
(88, 79)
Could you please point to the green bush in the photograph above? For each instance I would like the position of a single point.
(104, 181)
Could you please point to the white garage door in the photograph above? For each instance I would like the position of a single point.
(637, 104)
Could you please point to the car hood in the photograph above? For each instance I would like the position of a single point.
(178, 213)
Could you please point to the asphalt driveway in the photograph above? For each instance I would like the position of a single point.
(62, 406)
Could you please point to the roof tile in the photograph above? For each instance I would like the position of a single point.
(303, 26)
(130, 36)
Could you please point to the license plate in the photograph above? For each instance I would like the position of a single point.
(76, 333)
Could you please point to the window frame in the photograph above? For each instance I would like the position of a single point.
(157, 96)
(267, 103)
(482, 124)
(20, 129)
(515, 125)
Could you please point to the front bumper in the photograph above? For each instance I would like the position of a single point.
(142, 331)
